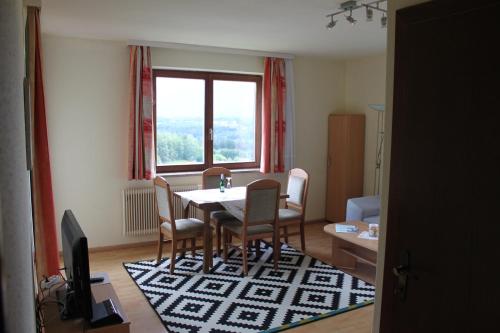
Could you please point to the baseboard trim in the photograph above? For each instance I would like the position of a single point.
(150, 243)
(316, 221)
(121, 246)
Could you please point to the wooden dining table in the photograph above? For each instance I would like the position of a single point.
(210, 200)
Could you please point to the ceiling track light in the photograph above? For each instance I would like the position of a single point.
(383, 21)
(351, 19)
(352, 5)
(369, 14)
(331, 24)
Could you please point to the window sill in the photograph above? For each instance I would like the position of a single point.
(198, 173)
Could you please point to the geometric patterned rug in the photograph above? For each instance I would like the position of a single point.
(304, 289)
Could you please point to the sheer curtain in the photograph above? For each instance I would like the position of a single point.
(141, 161)
(277, 116)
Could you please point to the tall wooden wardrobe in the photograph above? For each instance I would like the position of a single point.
(345, 163)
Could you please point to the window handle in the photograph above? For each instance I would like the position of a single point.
(211, 133)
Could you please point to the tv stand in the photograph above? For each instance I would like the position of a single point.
(100, 292)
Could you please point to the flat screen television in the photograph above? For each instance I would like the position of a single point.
(78, 298)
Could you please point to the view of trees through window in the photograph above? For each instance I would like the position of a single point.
(180, 121)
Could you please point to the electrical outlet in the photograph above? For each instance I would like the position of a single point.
(50, 281)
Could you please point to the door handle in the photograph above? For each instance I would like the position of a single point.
(403, 273)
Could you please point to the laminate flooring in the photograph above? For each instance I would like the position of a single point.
(144, 319)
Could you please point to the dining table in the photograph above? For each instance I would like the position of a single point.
(209, 200)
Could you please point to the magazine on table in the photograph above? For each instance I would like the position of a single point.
(349, 228)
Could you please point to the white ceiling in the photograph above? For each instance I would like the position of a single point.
(287, 26)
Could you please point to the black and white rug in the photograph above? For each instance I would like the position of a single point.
(304, 289)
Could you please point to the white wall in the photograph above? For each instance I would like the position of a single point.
(365, 84)
(86, 90)
(319, 91)
(86, 87)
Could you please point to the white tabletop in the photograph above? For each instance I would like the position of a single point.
(232, 199)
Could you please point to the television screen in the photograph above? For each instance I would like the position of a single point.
(78, 299)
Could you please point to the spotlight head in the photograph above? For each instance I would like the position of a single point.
(351, 19)
(331, 24)
(369, 14)
(383, 21)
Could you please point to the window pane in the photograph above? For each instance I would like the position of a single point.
(234, 121)
(180, 121)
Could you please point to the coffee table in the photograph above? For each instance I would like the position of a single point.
(348, 248)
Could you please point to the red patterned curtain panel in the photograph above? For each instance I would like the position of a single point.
(273, 116)
(141, 161)
(46, 256)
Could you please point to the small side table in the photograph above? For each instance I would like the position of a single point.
(348, 248)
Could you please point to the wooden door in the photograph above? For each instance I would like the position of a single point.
(444, 194)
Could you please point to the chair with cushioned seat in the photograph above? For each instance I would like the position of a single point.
(295, 206)
(260, 220)
(211, 179)
(175, 230)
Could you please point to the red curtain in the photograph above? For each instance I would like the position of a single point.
(46, 255)
(273, 116)
(141, 162)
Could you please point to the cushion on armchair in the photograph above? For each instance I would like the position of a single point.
(365, 209)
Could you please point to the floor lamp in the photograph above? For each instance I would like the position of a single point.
(380, 140)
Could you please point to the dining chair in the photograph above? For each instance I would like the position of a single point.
(295, 205)
(260, 220)
(211, 179)
(174, 229)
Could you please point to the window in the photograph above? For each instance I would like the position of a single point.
(206, 119)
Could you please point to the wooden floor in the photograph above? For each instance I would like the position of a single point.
(144, 319)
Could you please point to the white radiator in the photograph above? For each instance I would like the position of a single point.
(140, 215)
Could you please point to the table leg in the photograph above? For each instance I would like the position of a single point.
(207, 241)
(339, 258)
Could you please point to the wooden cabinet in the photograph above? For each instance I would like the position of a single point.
(345, 162)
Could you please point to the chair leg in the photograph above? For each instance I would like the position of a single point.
(225, 240)
(286, 234)
(249, 246)
(245, 256)
(276, 249)
(160, 248)
(257, 248)
(218, 231)
(173, 257)
(193, 247)
(183, 253)
(211, 258)
(302, 237)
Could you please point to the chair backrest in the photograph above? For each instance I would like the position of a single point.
(262, 202)
(298, 186)
(210, 178)
(164, 201)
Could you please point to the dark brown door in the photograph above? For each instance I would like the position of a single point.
(443, 234)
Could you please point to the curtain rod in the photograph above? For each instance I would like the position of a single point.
(213, 49)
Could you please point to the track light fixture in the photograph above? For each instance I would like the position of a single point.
(351, 19)
(331, 24)
(383, 21)
(351, 5)
(369, 14)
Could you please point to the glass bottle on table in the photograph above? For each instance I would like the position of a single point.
(221, 184)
